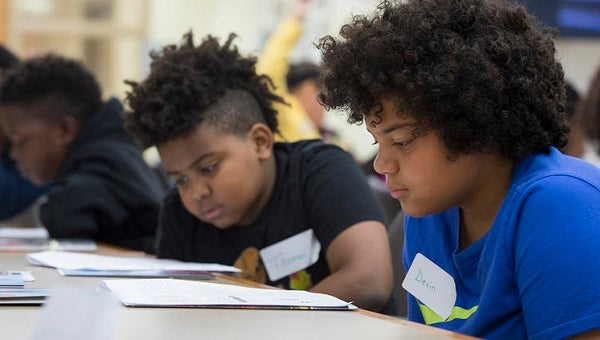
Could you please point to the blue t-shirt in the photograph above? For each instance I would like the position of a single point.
(536, 273)
(16, 192)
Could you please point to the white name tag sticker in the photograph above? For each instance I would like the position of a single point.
(430, 284)
(291, 255)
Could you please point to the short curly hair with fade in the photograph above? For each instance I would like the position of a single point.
(189, 85)
(480, 74)
(62, 85)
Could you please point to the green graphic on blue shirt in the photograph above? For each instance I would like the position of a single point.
(430, 317)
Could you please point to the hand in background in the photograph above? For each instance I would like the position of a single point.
(300, 9)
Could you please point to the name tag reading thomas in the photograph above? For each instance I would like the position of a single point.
(291, 255)
(430, 284)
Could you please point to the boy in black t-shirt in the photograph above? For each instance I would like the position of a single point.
(296, 215)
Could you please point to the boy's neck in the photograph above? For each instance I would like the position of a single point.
(478, 215)
(270, 173)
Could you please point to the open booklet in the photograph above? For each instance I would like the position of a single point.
(195, 294)
(78, 264)
(182, 274)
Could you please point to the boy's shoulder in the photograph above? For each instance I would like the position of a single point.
(307, 149)
(542, 167)
(308, 157)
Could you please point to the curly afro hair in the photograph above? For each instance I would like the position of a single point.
(64, 86)
(481, 74)
(589, 108)
(189, 85)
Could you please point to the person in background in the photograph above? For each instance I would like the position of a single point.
(295, 123)
(61, 133)
(293, 215)
(302, 82)
(590, 114)
(17, 193)
(465, 100)
(576, 138)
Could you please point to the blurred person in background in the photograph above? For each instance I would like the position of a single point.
(294, 115)
(17, 193)
(590, 114)
(576, 139)
(302, 82)
(62, 133)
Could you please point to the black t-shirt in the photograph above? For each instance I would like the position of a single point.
(318, 186)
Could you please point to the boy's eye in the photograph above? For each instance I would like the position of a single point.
(403, 143)
(207, 170)
(181, 181)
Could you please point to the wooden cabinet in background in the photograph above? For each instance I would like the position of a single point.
(108, 36)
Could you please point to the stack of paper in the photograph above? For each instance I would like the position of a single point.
(23, 296)
(182, 293)
(23, 239)
(11, 280)
(34, 239)
(102, 265)
(23, 233)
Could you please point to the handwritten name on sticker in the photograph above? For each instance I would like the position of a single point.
(427, 284)
(433, 286)
(280, 259)
(291, 255)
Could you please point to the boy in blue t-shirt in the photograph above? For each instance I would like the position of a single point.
(466, 102)
(296, 215)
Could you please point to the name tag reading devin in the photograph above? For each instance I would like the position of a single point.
(291, 255)
(430, 284)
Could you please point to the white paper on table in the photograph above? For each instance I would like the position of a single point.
(172, 292)
(23, 233)
(71, 260)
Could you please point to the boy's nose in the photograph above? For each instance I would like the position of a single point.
(384, 165)
(201, 191)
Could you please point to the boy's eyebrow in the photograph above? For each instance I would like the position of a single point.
(396, 127)
(193, 164)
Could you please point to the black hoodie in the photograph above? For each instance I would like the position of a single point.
(104, 189)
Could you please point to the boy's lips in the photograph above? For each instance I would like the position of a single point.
(212, 212)
(397, 192)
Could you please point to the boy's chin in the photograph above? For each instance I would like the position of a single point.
(34, 179)
(218, 223)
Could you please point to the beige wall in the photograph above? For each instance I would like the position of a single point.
(580, 58)
(2, 21)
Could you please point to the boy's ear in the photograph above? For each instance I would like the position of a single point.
(261, 137)
(68, 129)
